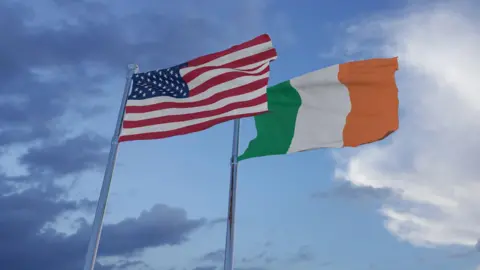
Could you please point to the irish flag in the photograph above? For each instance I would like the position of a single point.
(344, 105)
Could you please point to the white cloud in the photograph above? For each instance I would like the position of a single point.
(433, 161)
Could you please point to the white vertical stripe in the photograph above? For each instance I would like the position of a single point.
(322, 115)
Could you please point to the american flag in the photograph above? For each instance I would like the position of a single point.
(201, 93)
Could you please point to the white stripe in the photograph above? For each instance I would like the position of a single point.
(323, 112)
(179, 111)
(219, 71)
(237, 82)
(231, 57)
(177, 125)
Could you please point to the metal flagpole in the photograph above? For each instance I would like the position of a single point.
(228, 263)
(91, 256)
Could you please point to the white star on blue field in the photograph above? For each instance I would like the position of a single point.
(163, 82)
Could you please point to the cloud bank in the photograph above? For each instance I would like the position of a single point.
(433, 162)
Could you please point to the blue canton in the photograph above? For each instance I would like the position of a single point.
(163, 82)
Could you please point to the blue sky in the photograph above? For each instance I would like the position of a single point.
(63, 67)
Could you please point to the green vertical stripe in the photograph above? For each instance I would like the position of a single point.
(275, 128)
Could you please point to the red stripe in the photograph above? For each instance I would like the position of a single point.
(243, 89)
(209, 57)
(223, 78)
(190, 76)
(249, 60)
(184, 130)
(196, 115)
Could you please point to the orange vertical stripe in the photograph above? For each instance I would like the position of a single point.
(374, 99)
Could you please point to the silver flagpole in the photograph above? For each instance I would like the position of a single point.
(228, 263)
(91, 256)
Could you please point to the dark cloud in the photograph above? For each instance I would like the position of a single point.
(250, 268)
(349, 191)
(255, 258)
(25, 216)
(218, 256)
(162, 225)
(71, 156)
(215, 256)
(302, 255)
(216, 221)
(26, 213)
(112, 39)
(210, 267)
(23, 219)
(129, 264)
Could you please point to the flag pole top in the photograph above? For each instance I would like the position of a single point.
(132, 66)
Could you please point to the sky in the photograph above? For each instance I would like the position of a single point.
(408, 202)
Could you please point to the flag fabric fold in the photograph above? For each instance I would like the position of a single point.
(343, 105)
(201, 93)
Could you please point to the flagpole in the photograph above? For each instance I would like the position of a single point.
(228, 261)
(91, 256)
